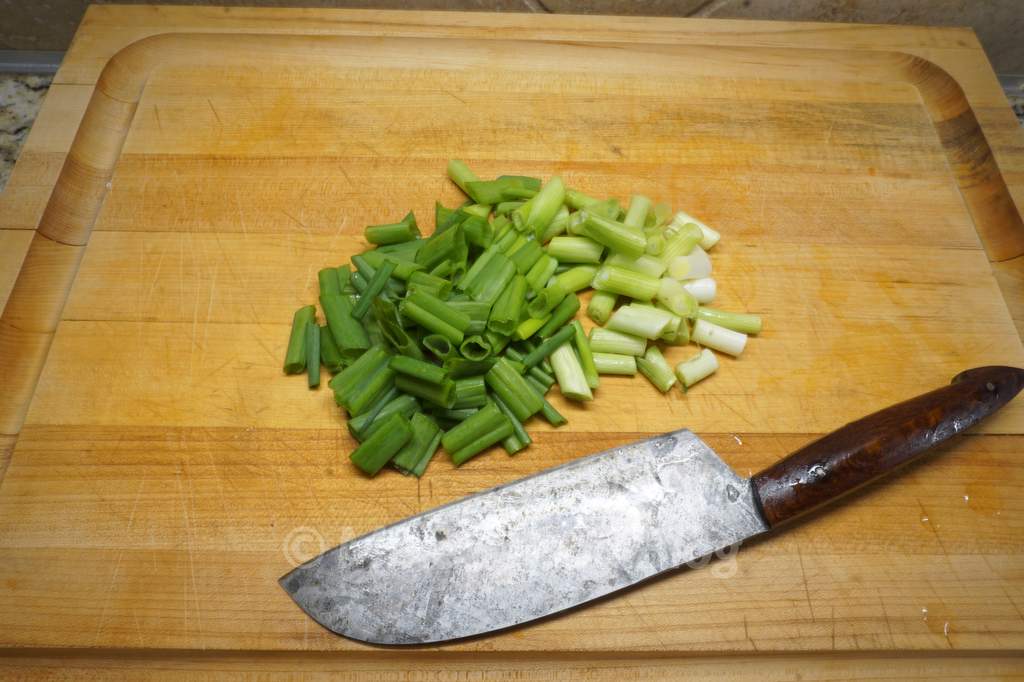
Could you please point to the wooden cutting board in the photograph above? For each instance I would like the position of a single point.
(164, 473)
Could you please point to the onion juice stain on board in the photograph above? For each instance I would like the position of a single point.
(984, 499)
(940, 620)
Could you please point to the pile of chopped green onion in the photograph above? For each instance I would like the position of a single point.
(455, 339)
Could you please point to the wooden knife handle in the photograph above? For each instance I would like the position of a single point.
(873, 446)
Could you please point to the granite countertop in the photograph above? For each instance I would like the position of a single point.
(21, 96)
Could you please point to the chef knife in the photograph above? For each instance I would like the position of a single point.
(585, 529)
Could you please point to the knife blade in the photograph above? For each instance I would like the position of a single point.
(583, 530)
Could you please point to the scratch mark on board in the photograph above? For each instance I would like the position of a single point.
(214, 110)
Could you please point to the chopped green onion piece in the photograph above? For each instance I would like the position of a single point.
(330, 356)
(363, 426)
(416, 454)
(546, 300)
(558, 225)
(541, 375)
(477, 210)
(350, 378)
(503, 189)
(478, 312)
(432, 322)
(394, 233)
(418, 369)
(504, 316)
(328, 280)
(461, 175)
(511, 243)
(655, 245)
(478, 231)
(563, 312)
(613, 363)
(545, 206)
(645, 321)
(577, 200)
(541, 272)
(385, 313)
(738, 322)
(608, 341)
(696, 368)
(616, 236)
(525, 181)
(507, 207)
(601, 305)
(703, 289)
(378, 449)
(680, 242)
(560, 286)
(404, 250)
(442, 394)
(512, 443)
(373, 289)
(526, 256)
(345, 280)
(295, 355)
(432, 284)
(442, 216)
(348, 333)
(660, 215)
(530, 326)
(439, 345)
(509, 385)
(360, 426)
(657, 370)
(636, 216)
(475, 347)
(485, 428)
(493, 279)
(571, 380)
(435, 315)
(548, 346)
(460, 368)
(363, 396)
(675, 322)
(547, 410)
(358, 282)
(674, 296)
(695, 265)
(680, 336)
(517, 426)
(708, 238)
(403, 268)
(575, 225)
(582, 344)
(575, 250)
(313, 354)
(576, 278)
(636, 285)
(714, 336)
(648, 265)
(496, 341)
(374, 332)
(453, 414)
(470, 392)
(440, 247)
(476, 269)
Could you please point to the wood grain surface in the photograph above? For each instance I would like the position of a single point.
(164, 473)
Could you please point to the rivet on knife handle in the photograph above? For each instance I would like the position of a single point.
(876, 445)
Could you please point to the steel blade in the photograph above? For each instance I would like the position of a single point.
(533, 547)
